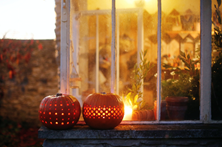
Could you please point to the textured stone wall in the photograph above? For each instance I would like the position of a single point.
(33, 80)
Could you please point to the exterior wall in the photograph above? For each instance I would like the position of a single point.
(33, 80)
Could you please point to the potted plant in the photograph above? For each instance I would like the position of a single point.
(163, 114)
(176, 93)
(134, 99)
(185, 84)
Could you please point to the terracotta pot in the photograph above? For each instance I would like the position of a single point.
(135, 115)
(163, 110)
(176, 107)
(143, 115)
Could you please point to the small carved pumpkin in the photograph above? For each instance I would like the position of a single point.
(59, 111)
(103, 111)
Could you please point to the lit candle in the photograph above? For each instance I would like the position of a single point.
(128, 113)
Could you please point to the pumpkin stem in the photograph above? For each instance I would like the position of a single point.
(103, 92)
(59, 94)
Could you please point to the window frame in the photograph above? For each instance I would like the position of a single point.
(205, 61)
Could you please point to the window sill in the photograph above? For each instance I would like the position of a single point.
(188, 131)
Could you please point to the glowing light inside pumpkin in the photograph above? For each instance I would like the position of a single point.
(60, 116)
(102, 112)
(128, 112)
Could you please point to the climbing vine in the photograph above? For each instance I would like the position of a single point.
(14, 53)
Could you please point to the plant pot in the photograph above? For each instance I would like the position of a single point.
(176, 107)
(163, 110)
(143, 115)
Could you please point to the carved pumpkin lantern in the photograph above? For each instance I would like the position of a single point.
(103, 111)
(59, 111)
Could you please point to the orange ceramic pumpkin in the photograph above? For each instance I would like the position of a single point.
(103, 111)
(59, 111)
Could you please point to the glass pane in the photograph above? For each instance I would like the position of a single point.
(216, 92)
(90, 50)
(136, 44)
(137, 86)
(99, 4)
(127, 48)
(105, 34)
(180, 58)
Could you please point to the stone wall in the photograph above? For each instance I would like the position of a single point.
(32, 81)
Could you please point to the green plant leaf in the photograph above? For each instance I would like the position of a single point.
(128, 95)
(135, 98)
(144, 53)
(135, 107)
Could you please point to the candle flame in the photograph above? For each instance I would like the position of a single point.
(128, 112)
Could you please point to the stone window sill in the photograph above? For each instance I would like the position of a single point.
(81, 134)
(135, 131)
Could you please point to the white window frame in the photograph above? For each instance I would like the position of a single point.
(205, 60)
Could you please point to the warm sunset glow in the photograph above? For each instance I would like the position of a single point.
(128, 113)
(25, 19)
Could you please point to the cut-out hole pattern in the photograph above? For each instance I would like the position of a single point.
(59, 114)
(102, 112)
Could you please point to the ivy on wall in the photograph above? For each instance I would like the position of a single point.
(16, 52)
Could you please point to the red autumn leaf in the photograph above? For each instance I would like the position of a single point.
(17, 61)
(19, 56)
(40, 46)
(27, 57)
(10, 67)
(10, 74)
(12, 58)
(1, 57)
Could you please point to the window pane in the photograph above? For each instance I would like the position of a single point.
(90, 51)
(99, 4)
(216, 92)
(137, 86)
(180, 56)
(136, 44)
